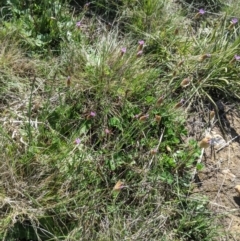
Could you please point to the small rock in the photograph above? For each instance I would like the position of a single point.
(237, 188)
(228, 173)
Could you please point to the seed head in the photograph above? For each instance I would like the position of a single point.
(204, 56)
(211, 114)
(185, 82)
(180, 63)
(179, 104)
(144, 117)
(205, 142)
(153, 152)
(160, 100)
(168, 149)
(68, 81)
(158, 118)
(139, 53)
(176, 32)
(118, 186)
(86, 6)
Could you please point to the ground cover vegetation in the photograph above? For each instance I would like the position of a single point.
(94, 99)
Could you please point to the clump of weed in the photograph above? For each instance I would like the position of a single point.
(95, 146)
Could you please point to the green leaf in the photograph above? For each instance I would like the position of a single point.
(200, 166)
(115, 122)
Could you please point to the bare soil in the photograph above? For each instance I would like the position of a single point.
(221, 173)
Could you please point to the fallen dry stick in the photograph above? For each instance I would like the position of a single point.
(222, 147)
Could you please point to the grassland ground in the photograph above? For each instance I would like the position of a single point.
(118, 122)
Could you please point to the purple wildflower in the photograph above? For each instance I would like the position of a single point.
(201, 11)
(107, 131)
(140, 46)
(123, 50)
(78, 24)
(234, 21)
(77, 141)
(237, 57)
(93, 114)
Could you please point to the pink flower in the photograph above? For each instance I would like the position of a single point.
(123, 50)
(140, 46)
(77, 141)
(107, 131)
(234, 21)
(78, 24)
(93, 114)
(237, 57)
(201, 11)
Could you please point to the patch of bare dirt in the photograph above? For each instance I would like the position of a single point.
(221, 173)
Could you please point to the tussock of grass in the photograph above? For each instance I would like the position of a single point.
(77, 121)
